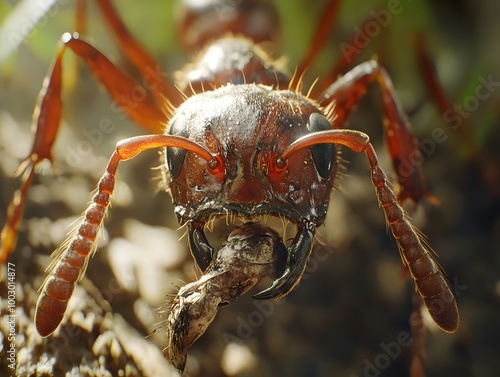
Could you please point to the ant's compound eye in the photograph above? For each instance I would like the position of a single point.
(323, 154)
(175, 156)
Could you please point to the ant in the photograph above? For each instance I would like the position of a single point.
(241, 139)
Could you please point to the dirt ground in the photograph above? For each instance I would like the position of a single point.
(349, 316)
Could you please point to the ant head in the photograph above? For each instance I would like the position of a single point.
(247, 128)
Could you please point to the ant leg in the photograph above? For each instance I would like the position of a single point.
(464, 133)
(81, 17)
(118, 83)
(47, 114)
(320, 36)
(319, 40)
(146, 65)
(133, 51)
(348, 90)
(350, 53)
(8, 236)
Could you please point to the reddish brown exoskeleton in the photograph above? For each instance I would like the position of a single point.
(241, 139)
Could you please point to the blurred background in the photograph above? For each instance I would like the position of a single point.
(354, 299)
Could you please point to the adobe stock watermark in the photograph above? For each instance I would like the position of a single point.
(226, 9)
(392, 350)
(265, 308)
(128, 102)
(66, 334)
(78, 153)
(124, 106)
(379, 20)
(11, 317)
(62, 338)
(454, 117)
(26, 20)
